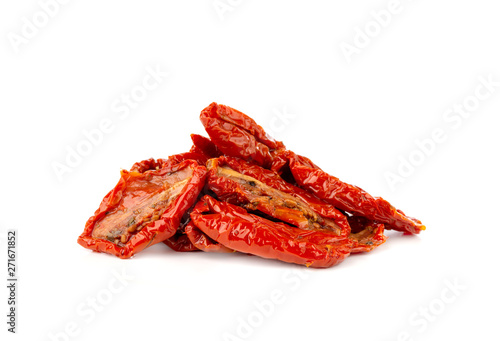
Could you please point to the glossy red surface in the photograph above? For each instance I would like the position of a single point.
(131, 191)
(239, 230)
(257, 197)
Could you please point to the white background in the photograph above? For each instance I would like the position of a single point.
(355, 119)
